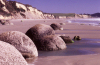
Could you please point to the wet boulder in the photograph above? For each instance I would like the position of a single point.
(21, 42)
(9, 55)
(67, 39)
(50, 43)
(77, 38)
(39, 31)
(56, 26)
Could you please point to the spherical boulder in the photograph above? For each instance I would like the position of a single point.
(56, 26)
(9, 55)
(50, 43)
(67, 39)
(39, 31)
(21, 42)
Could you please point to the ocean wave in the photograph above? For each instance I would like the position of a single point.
(91, 19)
(69, 21)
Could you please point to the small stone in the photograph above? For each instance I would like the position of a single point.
(77, 38)
(67, 39)
(56, 26)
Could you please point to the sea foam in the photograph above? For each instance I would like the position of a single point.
(89, 21)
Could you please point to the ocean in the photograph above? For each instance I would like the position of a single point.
(89, 21)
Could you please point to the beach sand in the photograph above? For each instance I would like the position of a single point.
(89, 34)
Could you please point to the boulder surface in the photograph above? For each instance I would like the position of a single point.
(56, 26)
(50, 43)
(21, 42)
(67, 39)
(9, 55)
(39, 31)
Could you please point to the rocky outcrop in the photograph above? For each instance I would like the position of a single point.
(82, 16)
(21, 42)
(48, 16)
(16, 10)
(62, 17)
(9, 55)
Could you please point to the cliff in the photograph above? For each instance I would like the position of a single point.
(16, 10)
(95, 15)
(82, 16)
(70, 15)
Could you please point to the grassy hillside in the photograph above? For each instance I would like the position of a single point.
(64, 14)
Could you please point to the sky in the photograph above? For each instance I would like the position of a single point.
(65, 6)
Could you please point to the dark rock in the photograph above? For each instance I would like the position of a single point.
(45, 21)
(9, 55)
(2, 22)
(56, 26)
(95, 15)
(1, 5)
(27, 55)
(62, 23)
(67, 39)
(50, 43)
(39, 31)
(77, 38)
(23, 15)
(5, 22)
(21, 42)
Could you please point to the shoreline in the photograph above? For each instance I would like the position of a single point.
(70, 29)
(69, 60)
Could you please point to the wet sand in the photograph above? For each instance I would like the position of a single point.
(84, 52)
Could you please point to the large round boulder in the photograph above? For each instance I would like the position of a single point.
(9, 55)
(50, 43)
(56, 26)
(20, 41)
(39, 31)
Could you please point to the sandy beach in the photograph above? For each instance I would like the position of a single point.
(83, 52)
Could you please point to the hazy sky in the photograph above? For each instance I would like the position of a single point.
(65, 6)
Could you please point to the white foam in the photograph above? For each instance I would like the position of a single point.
(69, 21)
(91, 19)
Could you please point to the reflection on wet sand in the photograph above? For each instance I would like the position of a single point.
(82, 47)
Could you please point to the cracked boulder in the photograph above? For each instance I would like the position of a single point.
(21, 42)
